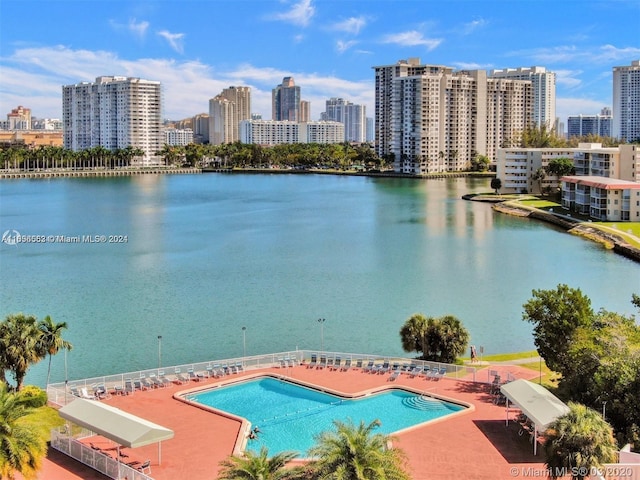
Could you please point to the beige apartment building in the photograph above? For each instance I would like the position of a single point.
(430, 118)
(226, 111)
(276, 132)
(114, 112)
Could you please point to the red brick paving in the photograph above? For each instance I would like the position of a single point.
(475, 445)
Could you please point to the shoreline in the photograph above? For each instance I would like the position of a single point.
(59, 173)
(609, 241)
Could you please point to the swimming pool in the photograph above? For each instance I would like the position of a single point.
(289, 415)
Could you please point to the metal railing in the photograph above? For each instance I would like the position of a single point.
(61, 393)
(70, 445)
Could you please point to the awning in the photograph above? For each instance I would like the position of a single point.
(123, 428)
(539, 405)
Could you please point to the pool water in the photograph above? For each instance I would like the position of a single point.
(290, 416)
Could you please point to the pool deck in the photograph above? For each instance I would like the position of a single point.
(474, 445)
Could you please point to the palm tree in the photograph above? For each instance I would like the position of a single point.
(19, 336)
(51, 340)
(412, 333)
(258, 466)
(22, 446)
(578, 441)
(356, 453)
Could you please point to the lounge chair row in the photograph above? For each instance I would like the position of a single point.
(330, 363)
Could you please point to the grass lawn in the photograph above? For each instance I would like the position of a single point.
(503, 357)
(541, 204)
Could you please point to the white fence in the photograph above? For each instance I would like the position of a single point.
(96, 459)
(61, 393)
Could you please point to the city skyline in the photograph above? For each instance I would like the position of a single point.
(329, 47)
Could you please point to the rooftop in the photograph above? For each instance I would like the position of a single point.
(476, 444)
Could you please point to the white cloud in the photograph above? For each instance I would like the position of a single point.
(470, 27)
(175, 40)
(343, 46)
(138, 29)
(568, 78)
(604, 54)
(351, 25)
(299, 14)
(33, 77)
(412, 38)
(566, 106)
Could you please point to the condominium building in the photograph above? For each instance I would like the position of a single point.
(626, 102)
(354, 118)
(114, 112)
(581, 125)
(19, 119)
(518, 168)
(226, 111)
(602, 198)
(305, 111)
(285, 101)
(178, 136)
(432, 119)
(273, 132)
(544, 91)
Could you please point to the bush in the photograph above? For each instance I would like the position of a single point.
(32, 396)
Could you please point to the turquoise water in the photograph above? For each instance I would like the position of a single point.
(208, 254)
(290, 416)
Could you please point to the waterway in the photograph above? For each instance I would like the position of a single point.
(198, 257)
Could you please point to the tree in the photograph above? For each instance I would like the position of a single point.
(19, 337)
(577, 442)
(51, 340)
(357, 453)
(22, 446)
(412, 333)
(438, 339)
(445, 339)
(556, 314)
(480, 163)
(539, 176)
(540, 136)
(258, 466)
(496, 184)
(560, 167)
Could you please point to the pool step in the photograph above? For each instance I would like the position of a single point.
(424, 402)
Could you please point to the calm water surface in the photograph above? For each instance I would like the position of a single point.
(208, 254)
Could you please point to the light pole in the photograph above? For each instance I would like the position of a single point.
(321, 322)
(159, 351)
(244, 343)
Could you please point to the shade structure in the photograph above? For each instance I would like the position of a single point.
(539, 405)
(123, 428)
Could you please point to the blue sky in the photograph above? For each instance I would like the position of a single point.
(198, 47)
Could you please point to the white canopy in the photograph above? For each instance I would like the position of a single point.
(539, 405)
(123, 428)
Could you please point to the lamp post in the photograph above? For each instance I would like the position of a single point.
(244, 343)
(159, 351)
(321, 322)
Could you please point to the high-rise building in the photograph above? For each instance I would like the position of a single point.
(432, 119)
(544, 91)
(19, 119)
(285, 101)
(626, 102)
(352, 116)
(114, 112)
(226, 111)
(581, 125)
(305, 111)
